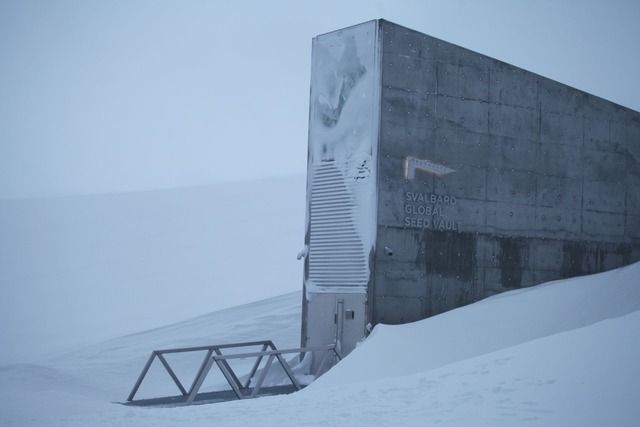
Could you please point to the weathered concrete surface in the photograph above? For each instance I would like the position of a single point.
(545, 184)
(455, 176)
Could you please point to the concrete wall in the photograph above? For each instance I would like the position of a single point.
(542, 179)
(438, 176)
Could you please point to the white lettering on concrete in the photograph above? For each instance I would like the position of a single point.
(428, 210)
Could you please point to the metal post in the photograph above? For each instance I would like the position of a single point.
(206, 361)
(202, 374)
(141, 376)
(228, 367)
(172, 374)
(224, 368)
(263, 375)
(255, 367)
(289, 372)
(339, 323)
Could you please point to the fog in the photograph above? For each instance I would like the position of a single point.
(123, 96)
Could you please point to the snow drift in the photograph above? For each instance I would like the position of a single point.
(77, 270)
(562, 353)
(502, 321)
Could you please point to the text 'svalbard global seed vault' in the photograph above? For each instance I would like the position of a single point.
(438, 176)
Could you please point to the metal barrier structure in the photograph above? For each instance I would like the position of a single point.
(241, 390)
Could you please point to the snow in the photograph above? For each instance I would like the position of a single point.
(572, 363)
(343, 126)
(502, 321)
(558, 354)
(77, 270)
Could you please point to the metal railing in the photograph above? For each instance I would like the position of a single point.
(215, 356)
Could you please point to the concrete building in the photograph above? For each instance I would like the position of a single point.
(438, 176)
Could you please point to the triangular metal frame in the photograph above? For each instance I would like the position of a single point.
(215, 355)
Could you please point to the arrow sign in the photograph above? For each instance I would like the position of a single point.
(411, 164)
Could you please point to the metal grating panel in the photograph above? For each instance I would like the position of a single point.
(336, 252)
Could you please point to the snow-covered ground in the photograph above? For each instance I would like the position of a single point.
(81, 269)
(558, 354)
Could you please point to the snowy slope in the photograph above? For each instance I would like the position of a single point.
(563, 353)
(502, 321)
(76, 270)
(83, 382)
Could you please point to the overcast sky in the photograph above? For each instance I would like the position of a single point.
(102, 96)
